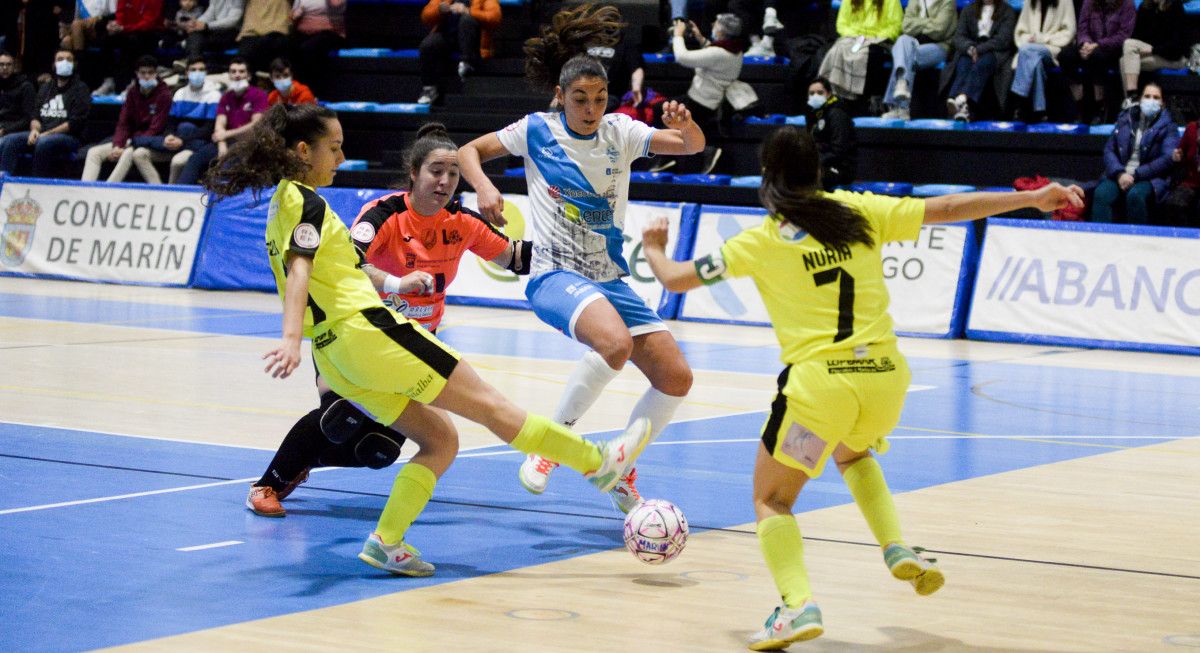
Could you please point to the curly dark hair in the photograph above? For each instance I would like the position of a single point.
(570, 34)
(265, 156)
(791, 188)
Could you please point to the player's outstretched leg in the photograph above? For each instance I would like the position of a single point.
(865, 480)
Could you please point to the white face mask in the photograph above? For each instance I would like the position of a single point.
(196, 78)
(1150, 108)
(239, 85)
(816, 100)
(64, 68)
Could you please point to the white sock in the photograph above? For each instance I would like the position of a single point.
(659, 408)
(587, 381)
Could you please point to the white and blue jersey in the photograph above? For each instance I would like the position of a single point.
(578, 188)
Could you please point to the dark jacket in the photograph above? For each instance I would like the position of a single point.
(142, 115)
(999, 42)
(833, 130)
(1162, 28)
(58, 104)
(1107, 29)
(17, 97)
(1159, 141)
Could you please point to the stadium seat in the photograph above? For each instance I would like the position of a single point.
(1058, 128)
(773, 119)
(996, 126)
(883, 187)
(108, 99)
(934, 190)
(402, 107)
(798, 121)
(1102, 130)
(644, 177)
(353, 164)
(378, 53)
(935, 123)
(751, 181)
(877, 122)
(703, 180)
(352, 106)
(765, 61)
(658, 57)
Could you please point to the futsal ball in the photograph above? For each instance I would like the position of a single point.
(655, 531)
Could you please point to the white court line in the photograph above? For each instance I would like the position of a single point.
(214, 545)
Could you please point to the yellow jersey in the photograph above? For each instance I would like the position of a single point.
(300, 222)
(820, 299)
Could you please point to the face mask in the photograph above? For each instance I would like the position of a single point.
(283, 85)
(239, 85)
(147, 84)
(1150, 108)
(64, 68)
(713, 37)
(816, 101)
(196, 78)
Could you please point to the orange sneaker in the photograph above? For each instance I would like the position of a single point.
(263, 501)
(624, 495)
(287, 489)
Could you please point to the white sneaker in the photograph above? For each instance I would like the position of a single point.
(401, 559)
(787, 625)
(464, 69)
(619, 454)
(535, 473)
(771, 23)
(764, 48)
(901, 91)
(897, 113)
(429, 95)
(625, 496)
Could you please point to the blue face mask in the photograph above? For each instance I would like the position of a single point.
(147, 84)
(1150, 108)
(64, 68)
(196, 78)
(283, 85)
(816, 101)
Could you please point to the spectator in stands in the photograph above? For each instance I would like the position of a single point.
(865, 30)
(145, 112)
(63, 103)
(17, 96)
(718, 63)
(928, 27)
(30, 30)
(189, 127)
(1044, 28)
(287, 89)
(1104, 25)
(239, 110)
(1137, 160)
(216, 29)
(132, 33)
(462, 26)
(1158, 42)
(624, 65)
(320, 28)
(88, 23)
(177, 28)
(1179, 207)
(832, 129)
(983, 45)
(264, 35)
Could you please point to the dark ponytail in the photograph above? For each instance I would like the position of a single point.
(265, 155)
(791, 189)
(566, 40)
(431, 136)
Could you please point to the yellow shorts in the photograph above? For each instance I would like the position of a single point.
(836, 399)
(381, 364)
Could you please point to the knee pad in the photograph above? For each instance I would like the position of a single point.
(377, 450)
(342, 421)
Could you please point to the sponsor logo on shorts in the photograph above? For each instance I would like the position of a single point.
(859, 365)
(324, 340)
(305, 235)
(420, 386)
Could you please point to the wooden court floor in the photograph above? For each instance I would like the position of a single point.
(1058, 488)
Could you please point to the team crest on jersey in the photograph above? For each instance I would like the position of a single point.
(305, 235)
(429, 238)
(410, 260)
(613, 154)
(363, 232)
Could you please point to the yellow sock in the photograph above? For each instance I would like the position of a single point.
(783, 549)
(870, 491)
(410, 492)
(545, 438)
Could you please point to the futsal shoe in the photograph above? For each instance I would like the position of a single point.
(618, 454)
(264, 502)
(787, 625)
(625, 496)
(906, 563)
(401, 559)
(535, 473)
(295, 482)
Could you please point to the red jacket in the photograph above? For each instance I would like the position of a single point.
(140, 15)
(1190, 162)
(143, 115)
(487, 12)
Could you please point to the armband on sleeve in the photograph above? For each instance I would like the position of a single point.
(711, 269)
(522, 254)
